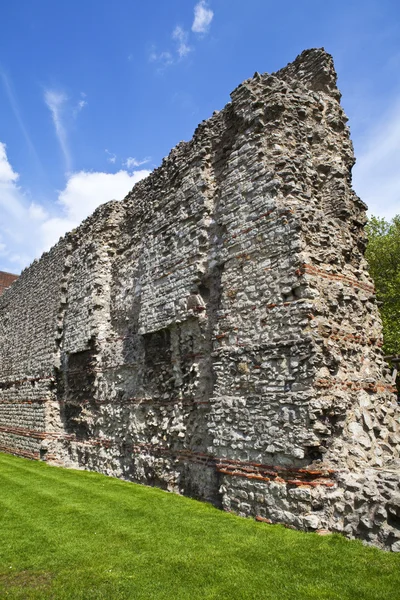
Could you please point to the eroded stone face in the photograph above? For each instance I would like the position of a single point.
(216, 332)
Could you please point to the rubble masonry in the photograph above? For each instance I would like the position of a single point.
(216, 333)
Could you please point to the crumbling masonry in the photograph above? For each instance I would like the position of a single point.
(216, 333)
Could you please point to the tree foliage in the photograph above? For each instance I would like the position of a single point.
(383, 255)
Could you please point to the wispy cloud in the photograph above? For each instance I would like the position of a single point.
(180, 36)
(376, 174)
(56, 102)
(165, 59)
(17, 114)
(80, 105)
(132, 163)
(111, 157)
(202, 17)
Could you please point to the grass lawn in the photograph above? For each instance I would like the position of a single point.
(80, 535)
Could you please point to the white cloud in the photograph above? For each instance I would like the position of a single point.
(36, 212)
(83, 193)
(181, 37)
(376, 174)
(132, 163)
(17, 231)
(202, 17)
(27, 229)
(56, 102)
(7, 175)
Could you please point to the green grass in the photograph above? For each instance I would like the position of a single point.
(77, 535)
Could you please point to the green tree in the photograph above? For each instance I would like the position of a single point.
(383, 256)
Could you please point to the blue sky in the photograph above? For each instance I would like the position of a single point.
(93, 94)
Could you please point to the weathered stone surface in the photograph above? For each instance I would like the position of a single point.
(216, 333)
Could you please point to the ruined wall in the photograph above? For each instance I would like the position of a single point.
(216, 333)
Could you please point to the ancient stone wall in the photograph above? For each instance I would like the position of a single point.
(216, 332)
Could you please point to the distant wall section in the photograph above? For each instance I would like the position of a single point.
(29, 321)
